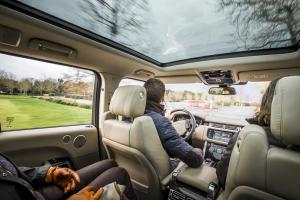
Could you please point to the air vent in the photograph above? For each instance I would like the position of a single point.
(225, 126)
(175, 195)
(231, 127)
(217, 125)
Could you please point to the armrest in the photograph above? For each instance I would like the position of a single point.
(199, 177)
(165, 182)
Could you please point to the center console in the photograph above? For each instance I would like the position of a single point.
(201, 183)
(193, 183)
(214, 152)
(215, 146)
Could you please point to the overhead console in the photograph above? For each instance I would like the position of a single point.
(219, 77)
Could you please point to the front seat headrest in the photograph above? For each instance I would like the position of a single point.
(129, 101)
(285, 111)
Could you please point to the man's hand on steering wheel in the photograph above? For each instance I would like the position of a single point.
(189, 126)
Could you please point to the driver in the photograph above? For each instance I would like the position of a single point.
(174, 145)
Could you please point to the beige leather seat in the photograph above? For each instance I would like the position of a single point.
(134, 143)
(260, 171)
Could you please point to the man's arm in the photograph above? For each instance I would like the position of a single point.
(175, 145)
(35, 175)
(65, 178)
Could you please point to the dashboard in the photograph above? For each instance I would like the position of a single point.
(201, 121)
(212, 137)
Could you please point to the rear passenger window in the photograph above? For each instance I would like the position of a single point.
(36, 94)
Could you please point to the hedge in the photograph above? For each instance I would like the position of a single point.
(68, 103)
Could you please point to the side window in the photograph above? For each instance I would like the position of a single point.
(128, 81)
(35, 94)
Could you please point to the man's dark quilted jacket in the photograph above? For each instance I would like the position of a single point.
(173, 143)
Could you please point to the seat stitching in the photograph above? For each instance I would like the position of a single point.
(281, 113)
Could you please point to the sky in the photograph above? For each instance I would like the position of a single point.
(167, 30)
(29, 68)
(172, 29)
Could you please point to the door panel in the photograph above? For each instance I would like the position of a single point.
(35, 94)
(34, 147)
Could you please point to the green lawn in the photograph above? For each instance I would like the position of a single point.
(20, 112)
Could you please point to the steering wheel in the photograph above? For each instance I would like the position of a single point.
(185, 128)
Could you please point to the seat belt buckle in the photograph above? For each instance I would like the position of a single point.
(174, 175)
(212, 192)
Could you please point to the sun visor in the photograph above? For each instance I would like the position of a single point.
(267, 75)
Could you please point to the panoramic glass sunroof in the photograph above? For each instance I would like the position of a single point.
(173, 30)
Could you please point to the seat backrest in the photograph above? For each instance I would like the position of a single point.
(134, 142)
(260, 171)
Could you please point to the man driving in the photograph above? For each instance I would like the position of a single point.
(172, 142)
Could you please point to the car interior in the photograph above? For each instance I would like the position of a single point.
(119, 130)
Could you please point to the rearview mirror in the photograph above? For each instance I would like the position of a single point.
(222, 91)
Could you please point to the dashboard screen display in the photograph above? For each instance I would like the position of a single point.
(219, 135)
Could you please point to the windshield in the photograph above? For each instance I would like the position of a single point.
(169, 30)
(195, 98)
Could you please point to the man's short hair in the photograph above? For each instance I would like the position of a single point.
(155, 89)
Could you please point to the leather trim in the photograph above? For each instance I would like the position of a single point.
(199, 177)
(285, 111)
(129, 101)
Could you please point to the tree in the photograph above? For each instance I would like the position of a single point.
(25, 85)
(3, 74)
(39, 85)
(78, 82)
(198, 96)
(60, 86)
(120, 20)
(75, 75)
(170, 95)
(264, 24)
(69, 87)
(10, 82)
(80, 88)
(50, 85)
(3, 77)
